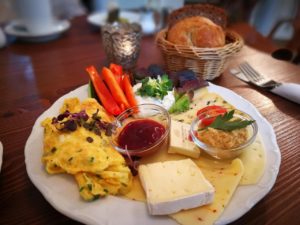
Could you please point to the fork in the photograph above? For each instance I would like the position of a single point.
(256, 78)
(290, 91)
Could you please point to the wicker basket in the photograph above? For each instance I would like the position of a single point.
(207, 63)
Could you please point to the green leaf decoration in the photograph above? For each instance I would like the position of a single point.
(226, 124)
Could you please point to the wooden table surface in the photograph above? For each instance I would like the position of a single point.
(34, 76)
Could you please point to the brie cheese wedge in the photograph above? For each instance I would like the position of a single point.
(172, 186)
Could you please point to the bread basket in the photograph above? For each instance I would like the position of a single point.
(207, 63)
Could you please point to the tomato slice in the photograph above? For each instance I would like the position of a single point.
(208, 114)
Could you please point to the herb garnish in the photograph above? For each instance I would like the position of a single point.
(99, 176)
(89, 139)
(95, 197)
(157, 88)
(181, 104)
(53, 150)
(69, 122)
(224, 123)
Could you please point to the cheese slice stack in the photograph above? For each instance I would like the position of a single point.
(179, 140)
(172, 186)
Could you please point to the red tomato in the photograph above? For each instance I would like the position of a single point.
(208, 114)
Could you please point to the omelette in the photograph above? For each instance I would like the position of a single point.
(77, 142)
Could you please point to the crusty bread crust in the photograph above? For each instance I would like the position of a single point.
(197, 31)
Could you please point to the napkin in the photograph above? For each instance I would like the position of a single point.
(290, 91)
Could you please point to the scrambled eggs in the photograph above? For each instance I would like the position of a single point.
(77, 142)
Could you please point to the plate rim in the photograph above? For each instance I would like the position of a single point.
(103, 13)
(222, 220)
(59, 26)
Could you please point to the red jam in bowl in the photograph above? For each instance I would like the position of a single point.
(140, 134)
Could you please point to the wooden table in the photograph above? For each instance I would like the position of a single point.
(33, 76)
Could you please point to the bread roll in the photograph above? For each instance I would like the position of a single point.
(196, 31)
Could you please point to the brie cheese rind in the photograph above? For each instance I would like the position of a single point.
(172, 186)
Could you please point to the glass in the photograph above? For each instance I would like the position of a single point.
(35, 15)
(121, 42)
(225, 153)
(144, 111)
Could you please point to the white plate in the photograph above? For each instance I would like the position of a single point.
(144, 19)
(99, 18)
(61, 191)
(16, 28)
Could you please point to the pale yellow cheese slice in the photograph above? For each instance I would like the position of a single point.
(254, 160)
(225, 181)
(202, 98)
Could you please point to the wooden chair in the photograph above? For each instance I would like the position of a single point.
(294, 43)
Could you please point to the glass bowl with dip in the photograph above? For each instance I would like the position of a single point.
(141, 130)
(222, 141)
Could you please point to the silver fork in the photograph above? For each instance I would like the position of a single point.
(290, 91)
(256, 78)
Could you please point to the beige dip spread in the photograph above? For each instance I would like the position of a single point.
(223, 139)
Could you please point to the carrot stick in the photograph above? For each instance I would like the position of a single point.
(117, 70)
(103, 93)
(114, 87)
(127, 87)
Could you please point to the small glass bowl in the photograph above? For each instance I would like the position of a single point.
(142, 111)
(220, 153)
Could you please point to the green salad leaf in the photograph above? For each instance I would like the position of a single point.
(181, 104)
(226, 124)
(157, 88)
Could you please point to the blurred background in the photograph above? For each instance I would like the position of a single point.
(264, 24)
